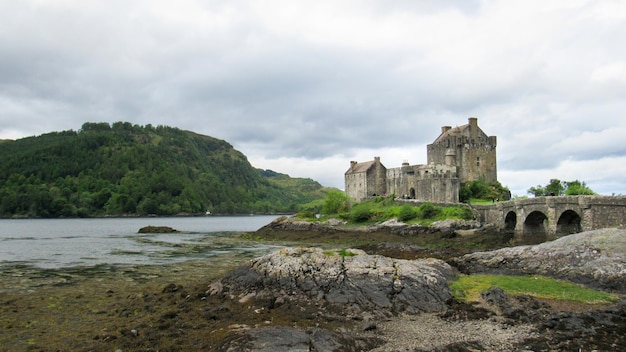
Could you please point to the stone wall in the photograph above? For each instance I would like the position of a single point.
(376, 179)
(431, 183)
(604, 212)
(356, 185)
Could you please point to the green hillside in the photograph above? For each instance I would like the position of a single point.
(125, 169)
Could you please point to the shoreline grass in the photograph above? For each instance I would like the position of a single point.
(469, 287)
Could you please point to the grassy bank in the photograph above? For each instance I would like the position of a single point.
(380, 209)
(469, 287)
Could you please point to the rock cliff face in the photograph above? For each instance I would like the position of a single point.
(353, 280)
(594, 258)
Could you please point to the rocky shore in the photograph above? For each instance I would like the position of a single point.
(375, 291)
(594, 258)
(381, 288)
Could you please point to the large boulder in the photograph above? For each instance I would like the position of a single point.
(350, 279)
(594, 258)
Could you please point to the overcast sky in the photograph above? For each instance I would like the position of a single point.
(304, 87)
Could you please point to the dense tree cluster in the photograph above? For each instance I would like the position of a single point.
(557, 187)
(125, 169)
(480, 189)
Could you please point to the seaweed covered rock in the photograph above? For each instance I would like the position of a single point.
(157, 229)
(349, 279)
(284, 338)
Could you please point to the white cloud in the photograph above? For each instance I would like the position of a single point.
(604, 176)
(611, 74)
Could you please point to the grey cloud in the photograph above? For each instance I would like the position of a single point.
(376, 75)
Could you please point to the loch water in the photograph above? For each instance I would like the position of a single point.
(64, 243)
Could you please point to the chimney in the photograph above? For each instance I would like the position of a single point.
(377, 159)
(445, 129)
(473, 122)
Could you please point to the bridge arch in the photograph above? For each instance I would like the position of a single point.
(535, 227)
(510, 222)
(542, 218)
(569, 222)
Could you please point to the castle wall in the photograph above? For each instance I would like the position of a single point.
(377, 179)
(429, 183)
(478, 159)
(356, 186)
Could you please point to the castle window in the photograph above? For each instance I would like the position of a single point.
(477, 161)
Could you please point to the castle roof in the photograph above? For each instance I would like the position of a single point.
(356, 168)
(456, 131)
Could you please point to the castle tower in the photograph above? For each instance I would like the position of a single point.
(467, 147)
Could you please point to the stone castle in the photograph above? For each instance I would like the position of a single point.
(460, 154)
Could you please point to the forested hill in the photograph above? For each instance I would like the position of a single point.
(125, 169)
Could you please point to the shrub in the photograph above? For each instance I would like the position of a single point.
(406, 213)
(361, 212)
(306, 215)
(458, 212)
(390, 200)
(336, 202)
(428, 211)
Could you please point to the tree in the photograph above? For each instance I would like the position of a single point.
(127, 169)
(557, 187)
(479, 189)
(336, 202)
(575, 188)
(537, 191)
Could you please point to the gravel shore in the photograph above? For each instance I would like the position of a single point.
(429, 332)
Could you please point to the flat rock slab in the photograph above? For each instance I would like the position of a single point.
(350, 279)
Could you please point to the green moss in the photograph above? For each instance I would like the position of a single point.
(346, 253)
(469, 288)
(342, 252)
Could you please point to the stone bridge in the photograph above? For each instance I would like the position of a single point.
(535, 220)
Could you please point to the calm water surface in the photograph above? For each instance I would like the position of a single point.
(61, 243)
